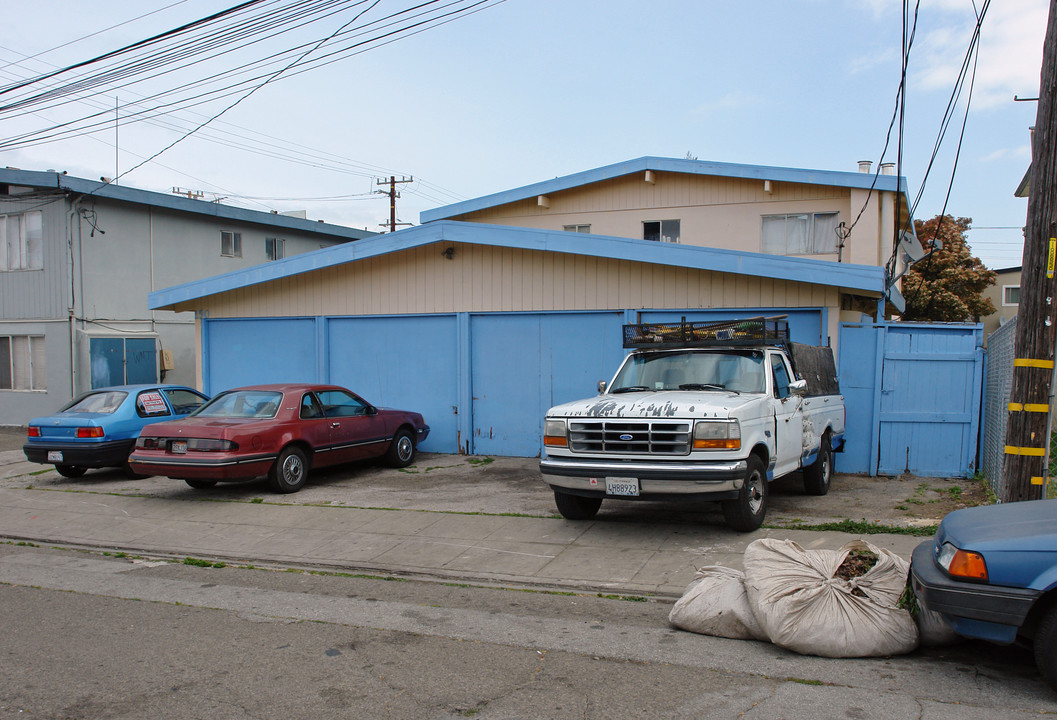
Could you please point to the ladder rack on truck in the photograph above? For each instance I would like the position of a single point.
(730, 333)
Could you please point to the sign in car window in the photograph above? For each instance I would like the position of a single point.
(151, 403)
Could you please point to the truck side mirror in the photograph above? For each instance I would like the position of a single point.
(601, 387)
(798, 387)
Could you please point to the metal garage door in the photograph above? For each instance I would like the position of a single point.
(402, 362)
(522, 364)
(253, 352)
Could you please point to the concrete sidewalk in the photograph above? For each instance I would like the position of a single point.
(607, 556)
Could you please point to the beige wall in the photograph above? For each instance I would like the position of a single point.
(717, 212)
(482, 278)
(995, 293)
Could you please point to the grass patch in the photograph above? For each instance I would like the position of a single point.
(861, 527)
(197, 562)
(802, 681)
(480, 461)
(626, 598)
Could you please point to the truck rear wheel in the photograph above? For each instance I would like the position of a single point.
(819, 474)
(746, 513)
(576, 507)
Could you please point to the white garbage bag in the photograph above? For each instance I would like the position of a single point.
(714, 603)
(803, 607)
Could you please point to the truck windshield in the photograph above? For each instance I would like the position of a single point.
(686, 370)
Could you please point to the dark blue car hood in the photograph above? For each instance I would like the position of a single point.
(1009, 527)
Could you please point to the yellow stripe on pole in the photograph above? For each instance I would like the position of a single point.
(1029, 407)
(1026, 362)
(1038, 481)
(1036, 452)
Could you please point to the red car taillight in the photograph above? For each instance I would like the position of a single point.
(32, 431)
(150, 443)
(211, 445)
(90, 432)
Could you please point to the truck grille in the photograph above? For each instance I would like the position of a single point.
(662, 437)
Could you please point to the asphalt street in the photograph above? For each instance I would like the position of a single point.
(322, 604)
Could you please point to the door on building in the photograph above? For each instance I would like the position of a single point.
(122, 361)
(522, 364)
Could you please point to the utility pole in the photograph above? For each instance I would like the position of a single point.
(1024, 471)
(393, 195)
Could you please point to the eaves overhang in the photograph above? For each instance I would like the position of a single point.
(853, 278)
(857, 180)
(79, 188)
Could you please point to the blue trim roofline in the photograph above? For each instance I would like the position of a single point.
(865, 278)
(858, 180)
(99, 189)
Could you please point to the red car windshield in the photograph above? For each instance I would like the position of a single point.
(242, 404)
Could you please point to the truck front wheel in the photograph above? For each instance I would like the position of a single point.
(576, 507)
(746, 513)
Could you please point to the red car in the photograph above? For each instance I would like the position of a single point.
(276, 430)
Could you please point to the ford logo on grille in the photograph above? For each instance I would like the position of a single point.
(625, 437)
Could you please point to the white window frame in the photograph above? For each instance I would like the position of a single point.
(230, 244)
(22, 241)
(663, 226)
(1005, 295)
(23, 363)
(811, 233)
(274, 248)
(577, 228)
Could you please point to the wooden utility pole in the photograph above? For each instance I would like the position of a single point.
(393, 195)
(1024, 471)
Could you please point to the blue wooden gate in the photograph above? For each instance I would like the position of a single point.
(912, 393)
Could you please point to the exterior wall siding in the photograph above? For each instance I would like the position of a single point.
(719, 212)
(494, 279)
(38, 294)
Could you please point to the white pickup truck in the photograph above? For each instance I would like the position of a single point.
(699, 412)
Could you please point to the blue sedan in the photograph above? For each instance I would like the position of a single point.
(99, 428)
(991, 572)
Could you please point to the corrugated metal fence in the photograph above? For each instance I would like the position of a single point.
(996, 400)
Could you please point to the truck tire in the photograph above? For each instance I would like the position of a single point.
(819, 474)
(576, 507)
(1046, 647)
(747, 512)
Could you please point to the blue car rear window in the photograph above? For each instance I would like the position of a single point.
(100, 402)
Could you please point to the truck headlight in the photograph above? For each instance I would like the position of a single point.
(717, 435)
(554, 434)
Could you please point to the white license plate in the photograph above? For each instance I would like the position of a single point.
(179, 447)
(628, 487)
(54, 455)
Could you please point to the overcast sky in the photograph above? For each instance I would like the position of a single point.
(527, 90)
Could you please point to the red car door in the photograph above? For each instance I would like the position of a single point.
(315, 429)
(356, 432)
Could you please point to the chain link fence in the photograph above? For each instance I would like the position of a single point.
(996, 409)
(996, 401)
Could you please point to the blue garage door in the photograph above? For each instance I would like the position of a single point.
(402, 362)
(253, 352)
(522, 364)
(806, 326)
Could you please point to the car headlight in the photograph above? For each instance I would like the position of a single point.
(554, 433)
(962, 563)
(717, 435)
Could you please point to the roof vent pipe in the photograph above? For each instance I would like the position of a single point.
(888, 168)
(864, 165)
